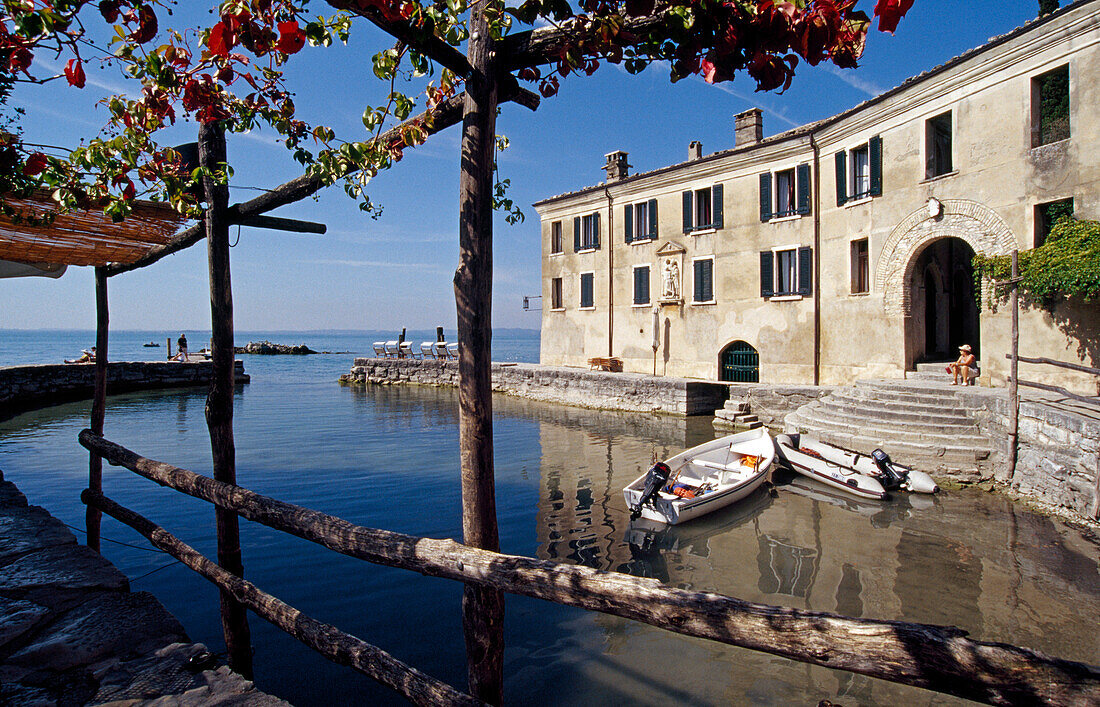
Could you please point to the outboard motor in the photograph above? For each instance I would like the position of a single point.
(654, 482)
(889, 474)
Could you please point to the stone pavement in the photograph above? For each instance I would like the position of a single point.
(72, 632)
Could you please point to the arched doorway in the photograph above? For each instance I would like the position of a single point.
(739, 363)
(944, 313)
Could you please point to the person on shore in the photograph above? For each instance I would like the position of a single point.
(961, 368)
(86, 356)
(181, 344)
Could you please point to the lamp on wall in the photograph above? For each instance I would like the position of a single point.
(935, 208)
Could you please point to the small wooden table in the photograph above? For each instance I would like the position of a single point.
(615, 365)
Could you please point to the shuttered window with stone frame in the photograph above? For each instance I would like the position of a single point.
(703, 209)
(703, 280)
(785, 193)
(640, 221)
(786, 272)
(641, 285)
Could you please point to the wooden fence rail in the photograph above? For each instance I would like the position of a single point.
(1059, 364)
(934, 657)
(339, 647)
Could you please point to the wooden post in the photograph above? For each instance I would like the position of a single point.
(93, 516)
(1013, 384)
(219, 404)
(168, 344)
(482, 607)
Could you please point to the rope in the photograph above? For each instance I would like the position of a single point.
(119, 542)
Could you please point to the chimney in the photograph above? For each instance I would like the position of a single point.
(695, 150)
(616, 166)
(748, 127)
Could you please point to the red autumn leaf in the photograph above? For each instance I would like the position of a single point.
(147, 25)
(20, 59)
(709, 70)
(220, 40)
(109, 10)
(74, 73)
(34, 164)
(890, 12)
(291, 38)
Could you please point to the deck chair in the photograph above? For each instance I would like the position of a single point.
(379, 349)
(405, 350)
(427, 349)
(439, 349)
(392, 349)
(452, 350)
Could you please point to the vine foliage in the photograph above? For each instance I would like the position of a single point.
(1066, 265)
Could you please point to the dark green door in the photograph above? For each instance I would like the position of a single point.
(739, 363)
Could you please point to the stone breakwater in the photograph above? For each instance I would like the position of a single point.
(569, 386)
(72, 632)
(25, 388)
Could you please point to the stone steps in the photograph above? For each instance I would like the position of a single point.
(883, 430)
(896, 411)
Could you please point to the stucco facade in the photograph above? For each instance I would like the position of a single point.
(945, 164)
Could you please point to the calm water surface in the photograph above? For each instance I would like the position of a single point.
(387, 457)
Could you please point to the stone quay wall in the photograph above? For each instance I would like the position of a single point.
(25, 388)
(771, 403)
(1058, 457)
(600, 390)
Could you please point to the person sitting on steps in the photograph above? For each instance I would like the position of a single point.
(961, 368)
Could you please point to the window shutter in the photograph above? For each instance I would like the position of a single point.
(767, 274)
(688, 220)
(652, 219)
(716, 205)
(576, 233)
(641, 285)
(841, 178)
(874, 149)
(628, 222)
(645, 286)
(805, 271)
(704, 280)
(596, 232)
(803, 178)
(766, 196)
(697, 281)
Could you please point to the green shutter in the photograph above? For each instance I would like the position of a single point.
(766, 196)
(805, 271)
(716, 205)
(802, 174)
(703, 284)
(688, 218)
(874, 149)
(641, 285)
(576, 233)
(653, 219)
(628, 222)
(596, 231)
(841, 178)
(767, 274)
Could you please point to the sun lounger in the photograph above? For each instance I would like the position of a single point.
(405, 350)
(427, 349)
(439, 349)
(452, 350)
(379, 349)
(392, 349)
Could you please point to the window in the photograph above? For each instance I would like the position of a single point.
(555, 237)
(1050, 107)
(786, 272)
(703, 209)
(938, 145)
(785, 193)
(860, 267)
(703, 280)
(588, 290)
(555, 294)
(640, 221)
(859, 172)
(641, 285)
(586, 232)
(1046, 215)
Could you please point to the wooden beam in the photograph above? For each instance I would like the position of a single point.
(93, 518)
(219, 403)
(1059, 391)
(339, 647)
(939, 658)
(276, 223)
(1059, 364)
(543, 45)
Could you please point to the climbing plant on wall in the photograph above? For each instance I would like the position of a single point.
(1066, 265)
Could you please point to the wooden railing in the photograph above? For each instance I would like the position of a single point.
(933, 657)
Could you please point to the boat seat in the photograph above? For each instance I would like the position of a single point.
(719, 467)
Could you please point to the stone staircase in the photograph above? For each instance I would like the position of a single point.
(735, 415)
(923, 422)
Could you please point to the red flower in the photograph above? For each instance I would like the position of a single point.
(291, 38)
(74, 73)
(34, 164)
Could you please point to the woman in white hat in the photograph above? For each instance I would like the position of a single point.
(961, 368)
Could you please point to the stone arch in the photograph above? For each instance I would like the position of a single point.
(981, 227)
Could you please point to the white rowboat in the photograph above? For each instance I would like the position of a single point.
(703, 479)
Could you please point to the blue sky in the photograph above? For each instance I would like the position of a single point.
(397, 271)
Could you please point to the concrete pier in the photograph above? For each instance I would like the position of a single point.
(25, 388)
(72, 632)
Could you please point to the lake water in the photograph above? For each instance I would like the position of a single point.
(388, 457)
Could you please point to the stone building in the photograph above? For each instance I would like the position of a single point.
(842, 249)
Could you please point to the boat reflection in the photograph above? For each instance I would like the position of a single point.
(882, 514)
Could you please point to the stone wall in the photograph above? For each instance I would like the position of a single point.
(771, 403)
(600, 390)
(25, 388)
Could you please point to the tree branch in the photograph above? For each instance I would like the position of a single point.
(542, 45)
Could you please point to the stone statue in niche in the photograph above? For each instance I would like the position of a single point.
(671, 280)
